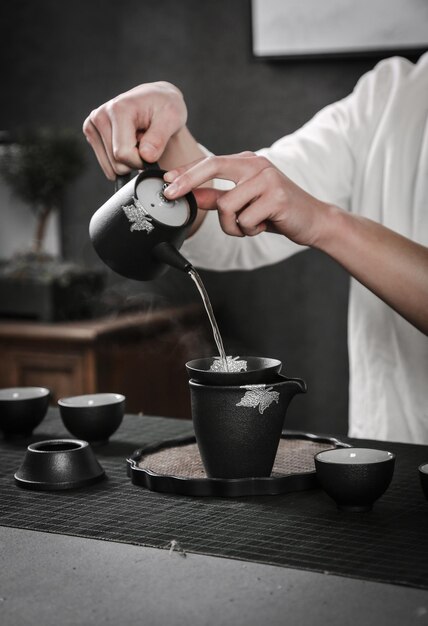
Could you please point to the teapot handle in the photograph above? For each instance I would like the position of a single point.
(123, 179)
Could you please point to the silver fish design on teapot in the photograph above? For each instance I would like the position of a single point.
(138, 216)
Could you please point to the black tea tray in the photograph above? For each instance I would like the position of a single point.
(175, 466)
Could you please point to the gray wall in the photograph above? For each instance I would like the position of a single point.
(60, 60)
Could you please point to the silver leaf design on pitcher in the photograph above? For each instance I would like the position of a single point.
(138, 216)
(258, 396)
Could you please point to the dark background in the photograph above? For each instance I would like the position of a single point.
(60, 60)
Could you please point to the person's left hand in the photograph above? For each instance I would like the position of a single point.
(263, 198)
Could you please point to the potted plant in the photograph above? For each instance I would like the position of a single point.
(39, 165)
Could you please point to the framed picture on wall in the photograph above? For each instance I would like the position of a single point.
(299, 28)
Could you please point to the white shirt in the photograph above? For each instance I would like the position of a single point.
(367, 153)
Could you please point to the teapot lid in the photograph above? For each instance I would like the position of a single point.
(149, 195)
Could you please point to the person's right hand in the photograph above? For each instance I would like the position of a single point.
(136, 125)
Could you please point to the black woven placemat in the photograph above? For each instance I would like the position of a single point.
(301, 530)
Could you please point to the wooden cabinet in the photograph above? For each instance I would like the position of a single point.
(142, 356)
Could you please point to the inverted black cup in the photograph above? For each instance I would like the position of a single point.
(238, 428)
(58, 464)
(255, 370)
(22, 409)
(354, 477)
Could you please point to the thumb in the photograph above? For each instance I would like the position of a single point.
(154, 139)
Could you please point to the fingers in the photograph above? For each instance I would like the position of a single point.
(208, 199)
(236, 168)
(101, 131)
(135, 126)
(246, 206)
(163, 125)
(122, 144)
(241, 212)
(93, 137)
(264, 199)
(244, 210)
(213, 160)
(253, 220)
(173, 174)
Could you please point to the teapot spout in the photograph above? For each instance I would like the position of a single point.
(166, 253)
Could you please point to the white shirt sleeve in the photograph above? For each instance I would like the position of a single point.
(320, 157)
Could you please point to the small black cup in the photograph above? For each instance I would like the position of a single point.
(93, 417)
(354, 477)
(22, 409)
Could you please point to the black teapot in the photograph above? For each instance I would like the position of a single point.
(138, 231)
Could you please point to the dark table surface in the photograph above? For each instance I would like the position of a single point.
(80, 573)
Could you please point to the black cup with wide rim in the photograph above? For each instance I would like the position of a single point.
(93, 417)
(22, 409)
(254, 370)
(58, 464)
(355, 477)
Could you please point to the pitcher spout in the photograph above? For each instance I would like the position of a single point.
(298, 385)
(293, 385)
